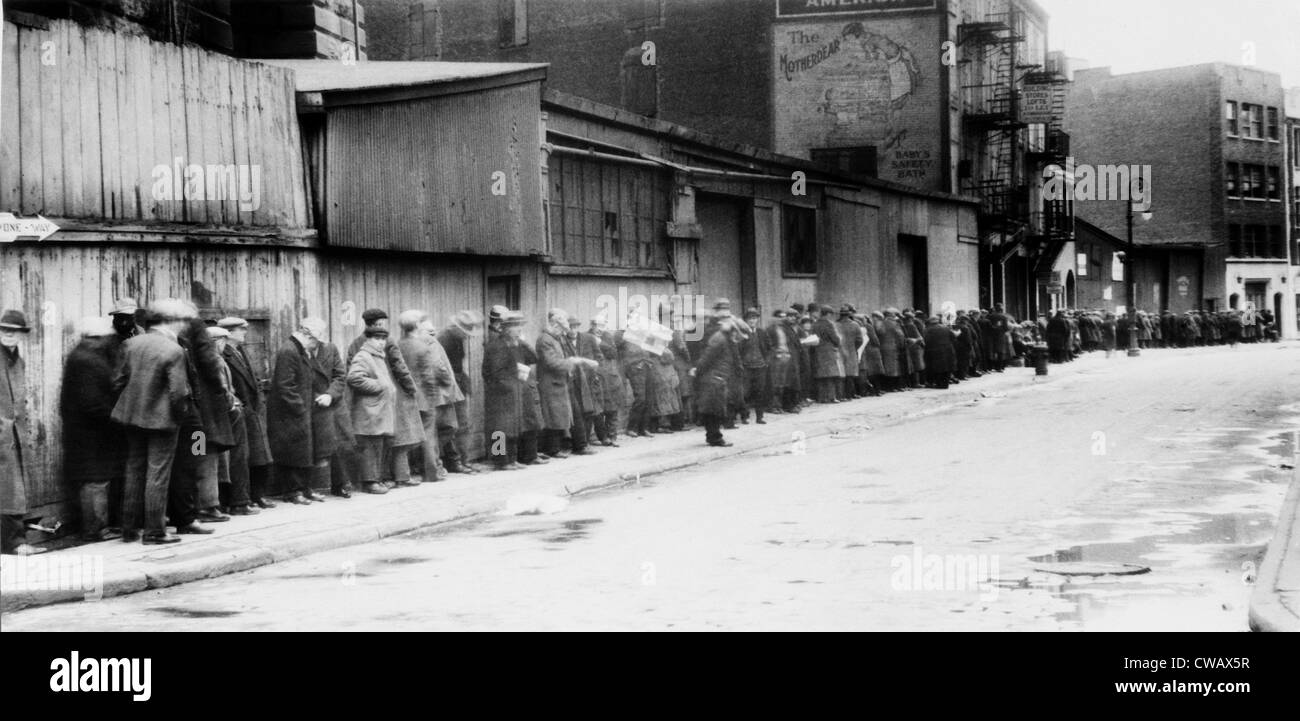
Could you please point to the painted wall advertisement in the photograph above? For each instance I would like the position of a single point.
(804, 8)
(862, 83)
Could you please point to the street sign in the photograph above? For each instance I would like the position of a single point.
(13, 228)
(1036, 103)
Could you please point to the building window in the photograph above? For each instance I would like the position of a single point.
(799, 240)
(1234, 241)
(1273, 187)
(1232, 117)
(858, 161)
(1117, 267)
(1273, 130)
(1257, 121)
(1252, 181)
(1234, 180)
(1276, 246)
(1081, 265)
(513, 15)
(608, 214)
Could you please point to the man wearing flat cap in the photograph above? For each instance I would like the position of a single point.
(15, 448)
(250, 461)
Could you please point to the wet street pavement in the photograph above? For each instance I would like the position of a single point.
(969, 520)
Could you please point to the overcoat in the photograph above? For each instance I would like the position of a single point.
(503, 392)
(872, 362)
(554, 367)
(940, 348)
(891, 346)
(827, 362)
(15, 448)
(93, 444)
(248, 389)
(374, 394)
(714, 372)
(289, 404)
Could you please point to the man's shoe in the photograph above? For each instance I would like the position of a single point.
(313, 496)
(26, 549)
(441, 475)
(722, 444)
(130, 536)
(584, 452)
(243, 511)
(342, 492)
(406, 484)
(761, 422)
(378, 489)
(193, 527)
(538, 461)
(212, 515)
(609, 444)
(104, 535)
(155, 540)
(297, 500)
(264, 503)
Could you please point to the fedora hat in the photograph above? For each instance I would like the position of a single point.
(467, 320)
(14, 320)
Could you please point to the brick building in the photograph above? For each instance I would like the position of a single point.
(1213, 137)
(955, 96)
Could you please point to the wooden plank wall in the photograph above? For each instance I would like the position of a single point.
(56, 285)
(89, 114)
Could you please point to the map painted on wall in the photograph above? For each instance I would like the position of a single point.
(855, 85)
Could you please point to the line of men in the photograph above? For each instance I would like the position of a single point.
(166, 421)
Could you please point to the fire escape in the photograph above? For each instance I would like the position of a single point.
(1002, 159)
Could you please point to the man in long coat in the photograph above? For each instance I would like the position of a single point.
(503, 394)
(783, 362)
(940, 353)
(871, 368)
(255, 454)
(554, 368)
(851, 339)
(93, 443)
(583, 387)
(414, 345)
(714, 372)
(639, 372)
(892, 344)
(1058, 338)
(754, 355)
(454, 339)
(290, 402)
(828, 364)
(15, 448)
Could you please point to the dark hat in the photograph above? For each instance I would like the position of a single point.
(14, 320)
(753, 313)
(846, 309)
(574, 322)
(798, 307)
(372, 315)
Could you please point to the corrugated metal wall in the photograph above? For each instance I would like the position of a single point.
(444, 150)
(56, 285)
(88, 115)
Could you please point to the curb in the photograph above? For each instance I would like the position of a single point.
(1267, 612)
(248, 554)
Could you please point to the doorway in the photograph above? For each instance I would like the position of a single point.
(914, 261)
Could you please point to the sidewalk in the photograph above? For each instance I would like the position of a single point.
(289, 531)
(1275, 604)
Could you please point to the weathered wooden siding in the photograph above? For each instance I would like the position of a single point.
(88, 115)
(418, 175)
(56, 285)
(585, 296)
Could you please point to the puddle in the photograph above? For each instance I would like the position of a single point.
(194, 612)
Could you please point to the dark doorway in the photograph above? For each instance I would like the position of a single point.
(503, 290)
(914, 255)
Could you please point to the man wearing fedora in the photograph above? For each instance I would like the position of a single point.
(454, 340)
(15, 449)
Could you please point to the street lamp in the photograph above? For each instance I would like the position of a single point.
(1130, 279)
